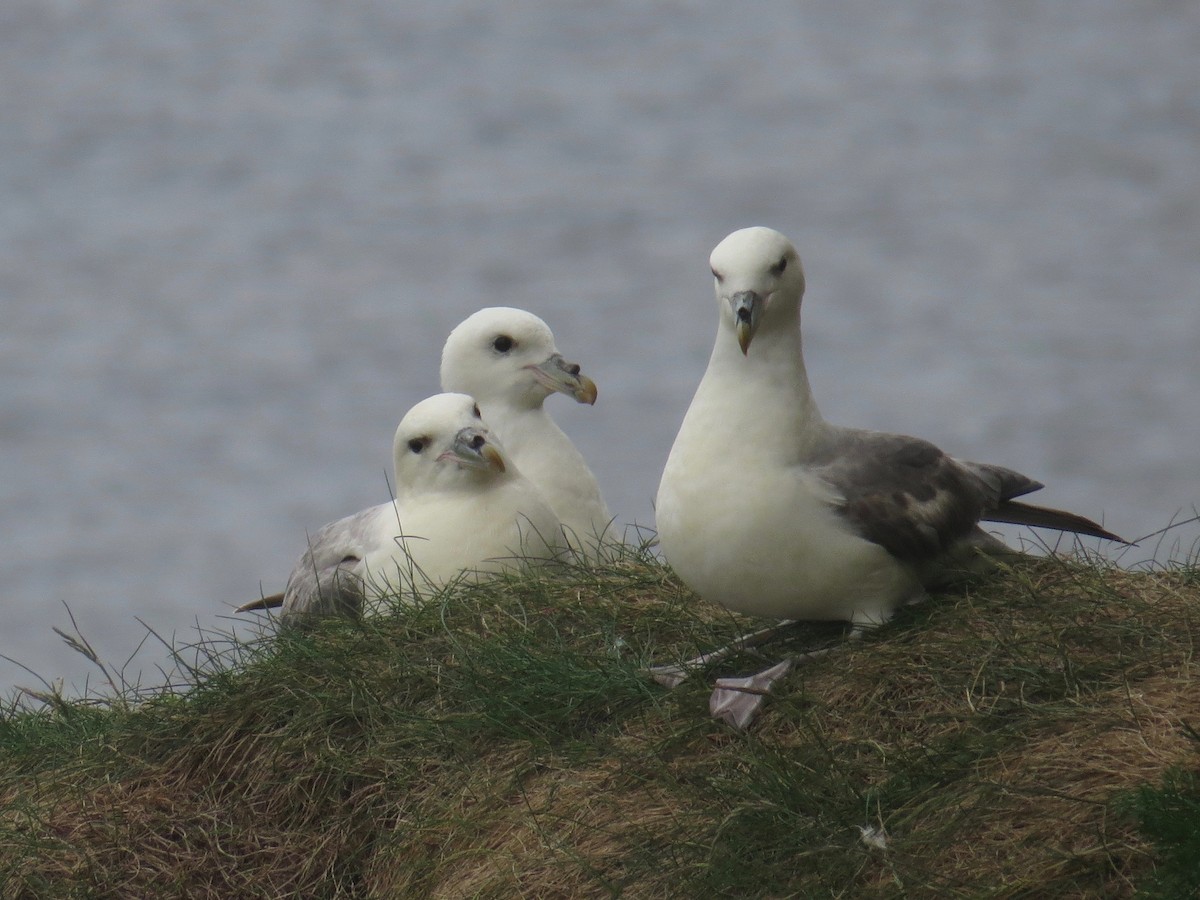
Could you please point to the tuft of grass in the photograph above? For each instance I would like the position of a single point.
(1027, 736)
(1169, 814)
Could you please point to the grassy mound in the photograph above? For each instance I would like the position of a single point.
(502, 740)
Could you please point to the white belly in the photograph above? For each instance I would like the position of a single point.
(772, 546)
(504, 528)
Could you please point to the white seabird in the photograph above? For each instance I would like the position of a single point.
(767, 509)
(506, 359)
(459, 506)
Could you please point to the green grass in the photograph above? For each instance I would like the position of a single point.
(1169, 813)
(1026, 737)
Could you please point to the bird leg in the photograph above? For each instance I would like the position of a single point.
(736, 701)
(675, 675)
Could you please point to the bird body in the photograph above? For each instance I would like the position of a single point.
(459, 507)
(767, 546)
(767, 509)
(562, 474)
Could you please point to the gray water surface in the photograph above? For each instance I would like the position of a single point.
(234, 235)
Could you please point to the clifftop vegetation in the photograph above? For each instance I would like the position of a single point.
(502, 740)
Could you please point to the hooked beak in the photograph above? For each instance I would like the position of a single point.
(747, 313)
(556, 374)
(472, 450)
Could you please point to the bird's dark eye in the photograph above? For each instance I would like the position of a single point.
(778, 268)
(717, 275)
(416, 445)
(475, 410)
(503, 343)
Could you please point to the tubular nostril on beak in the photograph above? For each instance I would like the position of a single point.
(477, 442)
(743, 314)
(573, 368)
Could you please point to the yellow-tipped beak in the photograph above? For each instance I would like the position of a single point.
(473, 449)
(556, 374)
(744, 336)
(492, 457)
(586, 392)
(747, 313)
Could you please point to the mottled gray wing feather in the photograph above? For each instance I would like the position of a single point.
(1048, 517)
(328, 580)
(271, 601)
(908, 496)
(1009, 484)
(1001, 484)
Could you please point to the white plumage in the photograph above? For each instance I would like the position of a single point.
(459, 506)
(507, 360)
(767, 509)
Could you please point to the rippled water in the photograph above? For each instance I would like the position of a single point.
(234, 235)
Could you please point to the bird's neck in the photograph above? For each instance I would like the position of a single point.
(519, 425)
(762, 397)
(449, 481)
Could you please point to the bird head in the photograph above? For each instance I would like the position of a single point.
(502, 355)
(757, 272)
(441, 438)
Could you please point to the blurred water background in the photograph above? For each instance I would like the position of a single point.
(233, 236)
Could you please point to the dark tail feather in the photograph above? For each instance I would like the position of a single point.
(1044, 517)
(262, 603)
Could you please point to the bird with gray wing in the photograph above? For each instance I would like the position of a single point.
(460, 506)
(767, 509)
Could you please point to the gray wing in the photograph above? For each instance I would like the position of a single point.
(1008, 484)
(328, 580)
(271, 601)
(1048, 517)
(908, 496)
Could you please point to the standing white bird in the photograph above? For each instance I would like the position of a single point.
(459, 506)
(767, 509)
(506, 359)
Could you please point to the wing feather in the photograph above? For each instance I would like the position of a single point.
(905, 494)
(328, 580)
